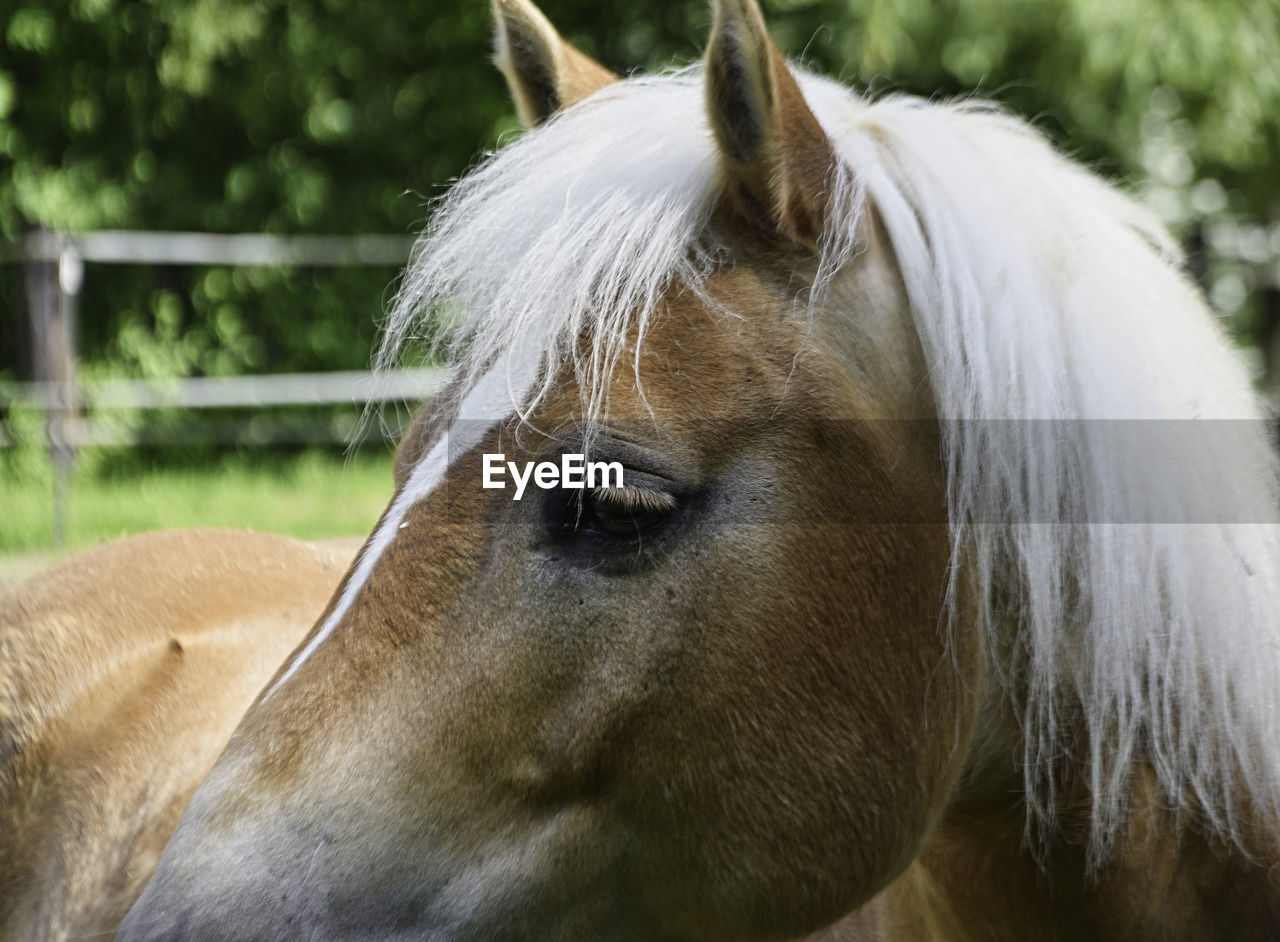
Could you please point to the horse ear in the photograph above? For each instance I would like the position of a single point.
(774, 152)
(544, 73)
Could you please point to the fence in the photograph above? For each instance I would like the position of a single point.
(54, 265)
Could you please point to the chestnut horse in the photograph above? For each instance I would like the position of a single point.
(938, 601)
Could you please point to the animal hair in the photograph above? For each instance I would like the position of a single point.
(1112, 491)
(564, 234)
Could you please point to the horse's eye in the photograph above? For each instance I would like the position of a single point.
(625, 512)
(613, 515)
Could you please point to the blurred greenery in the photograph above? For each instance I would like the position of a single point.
(339, 116)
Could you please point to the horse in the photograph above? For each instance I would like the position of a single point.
(937, 600)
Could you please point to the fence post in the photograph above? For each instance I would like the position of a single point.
(1268, 338)
(53, 289)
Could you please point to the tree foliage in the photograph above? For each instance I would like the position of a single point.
(346, 117)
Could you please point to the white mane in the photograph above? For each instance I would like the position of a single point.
(1125, 549)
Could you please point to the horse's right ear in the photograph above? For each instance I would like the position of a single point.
(544, 73)
(774, 153)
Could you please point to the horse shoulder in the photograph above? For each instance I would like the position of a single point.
(123, 672)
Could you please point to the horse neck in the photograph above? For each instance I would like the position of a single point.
(1165, 879)
(977, 881)
(983, 876)
(980, 876)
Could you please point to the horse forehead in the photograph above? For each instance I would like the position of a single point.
(721, 348)
(758, 331)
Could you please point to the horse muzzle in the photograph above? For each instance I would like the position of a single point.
(268, 880)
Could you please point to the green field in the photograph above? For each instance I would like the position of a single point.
(313, 496)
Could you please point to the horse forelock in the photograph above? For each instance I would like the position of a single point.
(1048, 306)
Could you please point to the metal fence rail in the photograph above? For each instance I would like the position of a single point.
(106, 412)
(119, 247)
(340, 387)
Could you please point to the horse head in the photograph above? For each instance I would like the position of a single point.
(735, 696)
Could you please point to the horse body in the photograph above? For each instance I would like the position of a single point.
(929, 610)
(123, 672)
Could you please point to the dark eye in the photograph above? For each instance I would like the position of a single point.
(614, 516)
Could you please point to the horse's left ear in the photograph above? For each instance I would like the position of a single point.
(775, 154)
(545, 74)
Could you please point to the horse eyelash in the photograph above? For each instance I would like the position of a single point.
(636, 498)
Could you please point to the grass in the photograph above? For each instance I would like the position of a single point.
(311, 496)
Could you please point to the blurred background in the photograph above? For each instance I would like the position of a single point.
(346, 118)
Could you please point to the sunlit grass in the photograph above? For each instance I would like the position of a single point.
(312, 496)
